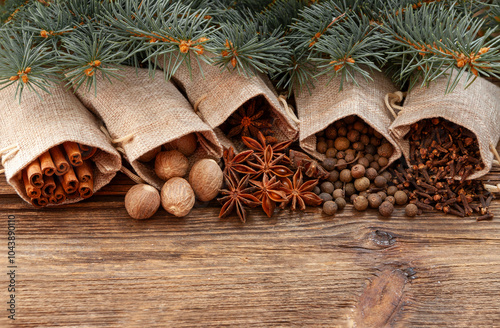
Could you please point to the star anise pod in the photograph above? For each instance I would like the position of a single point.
(310, 166)
(233, 164)
(246, 122)
(299, 192)
(269, 192)
(268, 165)
(259, 146)
(236, 196)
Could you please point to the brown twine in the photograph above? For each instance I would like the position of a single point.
(134, 177)
(8, 153)
(288, 109)
(391, 99)
(197, 104)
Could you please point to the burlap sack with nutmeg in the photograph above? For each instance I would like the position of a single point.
(152, 112)
(217, 94)
(35, 125)
(476, 108)
(327, 104)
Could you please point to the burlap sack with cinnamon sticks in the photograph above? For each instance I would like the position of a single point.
(216, 94)
(327, 104)
(30, 128)
(476, 108)
(151, 113)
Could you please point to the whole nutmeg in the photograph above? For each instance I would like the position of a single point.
(411, 210)
(142, 201)
(186, 144)
(330, 207)
(380, 181)
(371, 173)
(342, 143)
(385, 150)
(341, 203)
(358, 171)
(169, 164)
(321, 147)
(362, 184)
(360, 203)
(401, 197)
(386, 209)
(327, 187)
(150, 155)
(206, 179)
(374, 200)
(177, 197)
(345, 175)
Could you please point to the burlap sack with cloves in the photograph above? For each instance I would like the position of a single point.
(30, 128)
(216, 94)
(476, 108)
(327, 104)
(151, 112)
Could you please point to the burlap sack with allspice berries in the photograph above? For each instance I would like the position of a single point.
(30, 128)
(216, 94)
(152, 113)
(476, 108)
(327, 104)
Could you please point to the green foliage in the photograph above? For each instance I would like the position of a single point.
(9, 7)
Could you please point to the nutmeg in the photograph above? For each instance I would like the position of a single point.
(177, 197)
(206, 179)
(142, 201)
(169, 164)
(186, 144)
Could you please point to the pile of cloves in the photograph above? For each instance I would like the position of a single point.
(442, 156)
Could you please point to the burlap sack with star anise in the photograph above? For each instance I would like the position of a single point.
(147, 113)
(216, 94)
(327, 104)
(30, 128)
(476, 108)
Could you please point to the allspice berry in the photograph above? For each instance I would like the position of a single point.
(371, 173)
(177, 197)
(150, 155)
(331, 132)
(349, 189)
(411, 210)
(329, 164)
(385, 150)
(338, 193)
(142, 201)
(383, 161)
(317, 190)
(386, 209)
(327, 187)
(169, 164)
(186, 144)
(342, 143)
(330, 207)
(334, 176)
(325, 197)
(380, 181)
(400, 197)
(341, 203)
(365, 162)
(321, 147)
(390, 199)
(362, 184)
(360, 203)
(331, 152)
(374, 200)
(358, 171)
(353, 135)
(345, 175)
(391, 190)
(206, 179)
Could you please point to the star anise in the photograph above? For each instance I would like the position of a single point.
(269, 192)
(259, 146)
(236, 196)
(299, 192)
(246, 122)
(268, 165)
(310, 166)
(233, 164)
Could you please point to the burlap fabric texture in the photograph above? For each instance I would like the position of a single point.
(151, 112)
(476, 108)
(216, 94)
(35, 125)
(327, 104)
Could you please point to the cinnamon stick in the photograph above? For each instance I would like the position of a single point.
(86, 189)
(87, 151)
(69, 181)
(35, 174)
(59, 193)
(84, 172)
(62, 165)
(32, 192)
(39, 202)
(73, 152)
(53, 200)
(48, 187)
(47, 164)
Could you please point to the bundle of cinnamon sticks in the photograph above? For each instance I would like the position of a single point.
(63, 172)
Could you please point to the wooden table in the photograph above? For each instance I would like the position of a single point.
(89, 265)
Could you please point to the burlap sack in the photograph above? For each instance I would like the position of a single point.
(31, 127)
(327, 104)
(152, 112)
(217, 94)
(476, 108)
